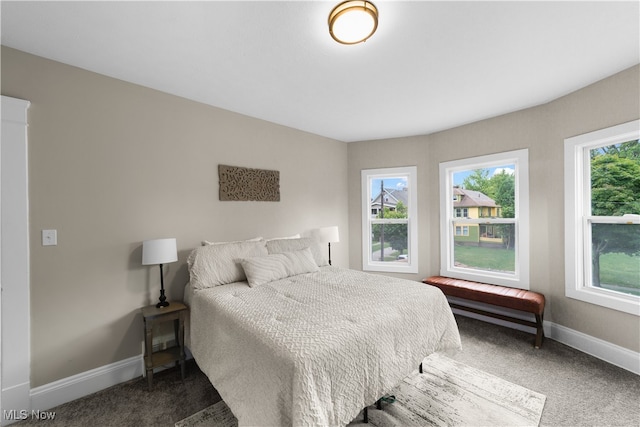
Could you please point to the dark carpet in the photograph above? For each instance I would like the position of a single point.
(581, 390)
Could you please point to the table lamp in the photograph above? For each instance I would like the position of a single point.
(328, 234)
(159, 251)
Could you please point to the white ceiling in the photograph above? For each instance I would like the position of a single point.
(429, 67)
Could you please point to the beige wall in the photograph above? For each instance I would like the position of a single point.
(542, 130)
(112, 164)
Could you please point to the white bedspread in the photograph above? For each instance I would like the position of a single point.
(316, 348)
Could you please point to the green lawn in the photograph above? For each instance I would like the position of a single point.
(393, 256)
(495, 259)
(618, 272)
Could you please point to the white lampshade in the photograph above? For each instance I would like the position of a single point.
(159, 251)
(328, 234)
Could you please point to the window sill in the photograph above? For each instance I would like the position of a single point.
(408, 269)
(492, 279)
(602, 297)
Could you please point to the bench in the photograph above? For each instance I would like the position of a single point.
(515, 299)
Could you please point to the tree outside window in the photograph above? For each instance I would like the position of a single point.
(615, 192)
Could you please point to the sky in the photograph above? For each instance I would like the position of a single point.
(458, 178)
(389, 183)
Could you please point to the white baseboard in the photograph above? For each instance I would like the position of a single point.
(493, 309)
(85, 383)
(71, 388)
(612, 353)
(82, 384)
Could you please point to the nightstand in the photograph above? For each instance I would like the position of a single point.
(152, 315)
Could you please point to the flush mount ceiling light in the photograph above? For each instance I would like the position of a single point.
(353, 21)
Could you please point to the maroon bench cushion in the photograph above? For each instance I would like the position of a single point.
(517, 299)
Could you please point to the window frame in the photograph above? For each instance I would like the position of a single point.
(367, 175)
(520, 278)
(577, 223)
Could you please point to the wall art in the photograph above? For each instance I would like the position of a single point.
(244, 184)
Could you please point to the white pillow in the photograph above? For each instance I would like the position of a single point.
(290, 245)
(265, 269)
(207, 242)
(295, 236)
(215, 265)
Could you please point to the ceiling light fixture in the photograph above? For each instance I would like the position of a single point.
(353, 21)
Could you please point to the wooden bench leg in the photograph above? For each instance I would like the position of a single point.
(539, 330)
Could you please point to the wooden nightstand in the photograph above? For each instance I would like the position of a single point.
(152, 315)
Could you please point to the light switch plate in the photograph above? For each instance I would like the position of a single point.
(49, 237)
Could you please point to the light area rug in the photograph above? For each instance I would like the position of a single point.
(447, 393)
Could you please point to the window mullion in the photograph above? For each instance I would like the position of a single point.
(484, 221)
(627, 219)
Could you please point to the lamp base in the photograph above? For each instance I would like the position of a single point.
(163, 299)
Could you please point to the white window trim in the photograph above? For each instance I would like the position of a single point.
(411, 266)
(575, 168)
(521, 277)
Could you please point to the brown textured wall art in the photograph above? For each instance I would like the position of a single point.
(238, 183)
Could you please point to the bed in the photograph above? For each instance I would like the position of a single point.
(288, 340)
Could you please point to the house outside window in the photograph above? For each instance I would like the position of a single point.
(390, 220)
(484, 214)
(602, 217)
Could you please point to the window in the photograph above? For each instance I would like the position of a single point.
(602, 217)
(461, 212)
(484, 214)
(462, 230)
(390, 220)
